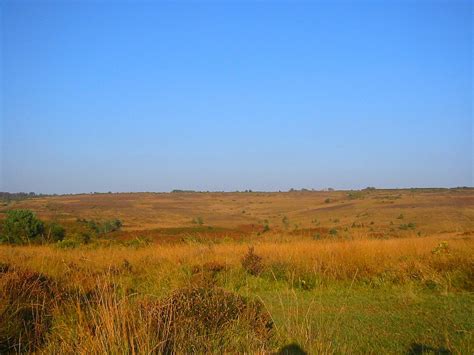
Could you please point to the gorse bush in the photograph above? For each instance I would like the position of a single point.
(21, 227)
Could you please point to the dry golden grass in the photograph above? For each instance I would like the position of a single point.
(331, 259)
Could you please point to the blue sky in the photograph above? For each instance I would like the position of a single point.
(152, 96)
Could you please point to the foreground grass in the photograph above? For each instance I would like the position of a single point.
(360, 319)
(364, 296)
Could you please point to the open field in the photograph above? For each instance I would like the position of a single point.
(372, 271)
(368, 213)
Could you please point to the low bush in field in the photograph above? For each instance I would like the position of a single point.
(22, 227)
(200, 319)
(27, 300)
(407, 226)
(252, 262)
(103, 227)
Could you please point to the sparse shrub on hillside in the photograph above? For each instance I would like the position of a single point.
(333, 231)
(252, 262)
(22, 226)
(111, 226)
(400, 216)
(328, 200)
(104, 227)
(286, 222)
(407, 226)
(266, 226)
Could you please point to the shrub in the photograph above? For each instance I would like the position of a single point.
(266, 227)
(22, 226)
(328, 200)
(55, 232)
(102, 227)
(111, 226)
(27, 300)
(252, 262)
(407, 226)
(333, 231)
(193, 319)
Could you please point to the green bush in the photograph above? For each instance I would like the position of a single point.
(407, 226)
(55, 232)
(102, 227)
(22, 226)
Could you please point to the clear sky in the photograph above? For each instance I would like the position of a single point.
(152, 96)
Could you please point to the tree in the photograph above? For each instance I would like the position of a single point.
(22, 226)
